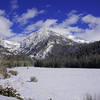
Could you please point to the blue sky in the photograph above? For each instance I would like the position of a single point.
(19, 18)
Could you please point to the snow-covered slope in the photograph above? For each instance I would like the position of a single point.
(58, 84)
(9, 45)
(7, 98)
(12, 46)
(40, 43)
(38, 36)
(44, 34)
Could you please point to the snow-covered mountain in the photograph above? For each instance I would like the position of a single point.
(42, 43)
(9, 45)
(45, 41)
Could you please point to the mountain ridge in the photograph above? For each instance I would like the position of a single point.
(44, 41)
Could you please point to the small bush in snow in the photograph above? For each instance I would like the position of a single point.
(13, 72)
(33, 79)
(10, 92)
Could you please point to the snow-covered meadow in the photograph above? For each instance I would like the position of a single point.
(57, 84)
(6, 98)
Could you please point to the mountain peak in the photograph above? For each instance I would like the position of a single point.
(42, 42)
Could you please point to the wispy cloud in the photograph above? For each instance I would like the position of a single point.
(34, 27)
(29, 14)
(5, 27)
(40, 24)
(14, 4)
(93, 32)
(2, 12)
(50, 23)
(73, 19)
(48, 5)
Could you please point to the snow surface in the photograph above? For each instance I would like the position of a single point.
(58, 84)
(48, 49)
(43, 53)
(43, 34)
(6, 98)
(10, 45)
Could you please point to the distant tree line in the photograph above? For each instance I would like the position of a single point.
(92, 61)
(17, 60)
(86, 56)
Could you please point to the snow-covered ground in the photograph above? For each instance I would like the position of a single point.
(6, 98)
(58, 84)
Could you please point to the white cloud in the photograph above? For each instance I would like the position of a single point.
(41, 11)
(48, 5)
(50, 22)
(72, 12)
(31, 13)
(91, 19)
(5, 27)
(93, 32)
(34, 27)
(2, 12)
(40, 24)
(73, 19)
(63, 27)
(14, 4)
(18, 37)
(66, 31)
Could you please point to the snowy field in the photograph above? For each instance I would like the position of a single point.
(58, 84)
(6, 98)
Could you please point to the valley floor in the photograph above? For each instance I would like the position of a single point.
(57, 84)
